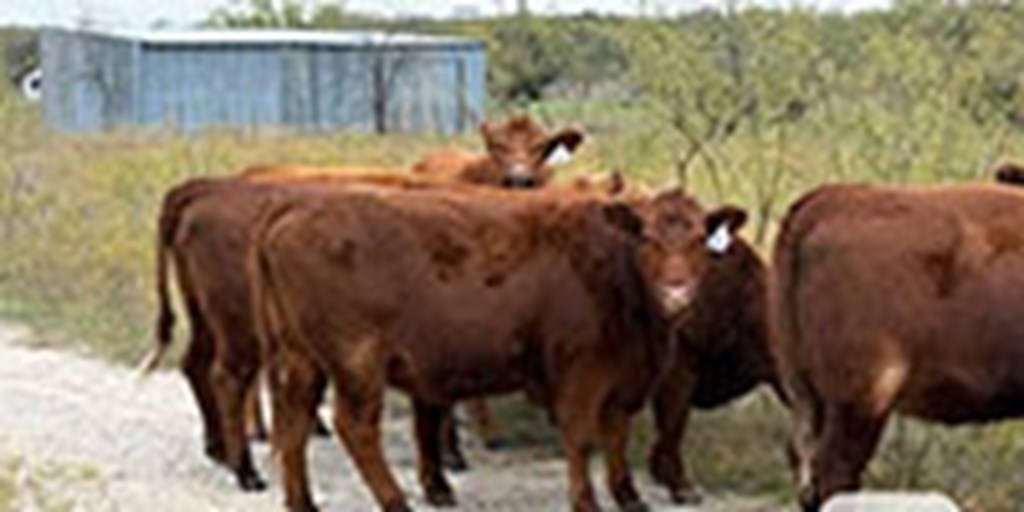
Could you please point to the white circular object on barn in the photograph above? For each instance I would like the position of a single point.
(32, 85)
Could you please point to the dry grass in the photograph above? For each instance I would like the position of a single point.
(41, 485)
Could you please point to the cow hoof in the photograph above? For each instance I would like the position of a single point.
(250, 481)
(688, 496)
(454, 462)
(497, 444)
(441, 498)
(635, 506)
(321, 430)
(216, 452)
(303, 506)
(397, 506)
(809, 501)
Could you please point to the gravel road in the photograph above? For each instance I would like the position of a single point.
(82, 434)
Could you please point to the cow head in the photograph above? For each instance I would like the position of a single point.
(524, 154)
(679, 241)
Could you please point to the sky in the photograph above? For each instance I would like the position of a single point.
(181, 13)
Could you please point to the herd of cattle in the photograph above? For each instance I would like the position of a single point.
(472, 275)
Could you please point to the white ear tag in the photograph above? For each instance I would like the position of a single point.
(720, 240)
(559, 156)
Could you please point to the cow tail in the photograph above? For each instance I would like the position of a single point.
(267, 311)
(789, 266)
(167, 225)
(175, 202)
(807, 406)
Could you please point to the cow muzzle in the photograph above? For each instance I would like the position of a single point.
(676, 298)
(519, 176)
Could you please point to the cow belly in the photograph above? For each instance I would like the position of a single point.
(969, 370)
(964, 398)
(724, 378)
(455, 378)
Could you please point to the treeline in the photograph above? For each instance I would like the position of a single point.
(766, 63)
(20, 55)
(751, 103)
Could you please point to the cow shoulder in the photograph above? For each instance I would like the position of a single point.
(603, 240)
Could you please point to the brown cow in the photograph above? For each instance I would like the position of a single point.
(505, 139)
(724, 350)
(509, 145)
(723, 334)
(204, 229)
(449, 295)
(520, 154)
(479, 412)
(902, 300)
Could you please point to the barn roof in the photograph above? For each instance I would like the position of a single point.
(346, 38)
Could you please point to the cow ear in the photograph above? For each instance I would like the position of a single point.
(623, 217)
(615, 184)
(485, 130)
(721, 226)
(558, 149)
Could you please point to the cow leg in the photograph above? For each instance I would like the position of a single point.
(255, 426)
(197, 368)
(483, 421)
(671, 405)
(849, 439)
(358, 402)
(234, 380)
(577, 455)
(803, 448)
(807, 418)
(576, 411)
(615, 441)
(429, 422)
(294, 384)
(451, 450)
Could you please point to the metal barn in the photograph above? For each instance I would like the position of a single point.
(366, 81)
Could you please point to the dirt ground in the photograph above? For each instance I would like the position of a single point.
(78, 433)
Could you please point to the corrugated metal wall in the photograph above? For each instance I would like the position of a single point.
(88, 81)
(190, 86)
(93, 82)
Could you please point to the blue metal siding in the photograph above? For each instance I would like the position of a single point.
(94, 81)
(193, 87)
(299, 95)
(88, 83)
(434, 90)
(473, 110)
(344, 90)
